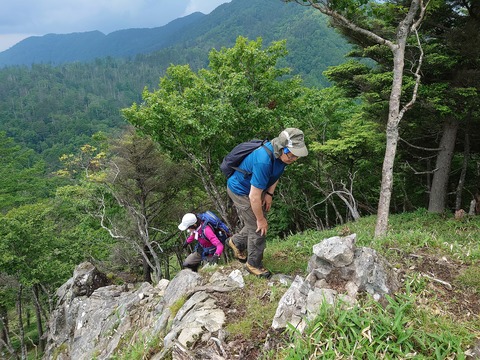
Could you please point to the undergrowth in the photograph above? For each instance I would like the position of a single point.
(371, 330)
(423, 320)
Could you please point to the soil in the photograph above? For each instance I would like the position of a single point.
(461, 303)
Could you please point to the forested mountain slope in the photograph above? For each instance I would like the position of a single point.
(312, 44)
(55, 109)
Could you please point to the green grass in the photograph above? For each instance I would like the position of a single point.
(408, 233)
(373, 331)
(141, 348)
(469, 280)
(420, 321)
(260, 301)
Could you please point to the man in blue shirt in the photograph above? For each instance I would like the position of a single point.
(252, 195)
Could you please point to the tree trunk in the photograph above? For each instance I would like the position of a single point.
(387, 182)
(438, 191)
(463, 174)
(392, 142)
(166, 261)
(394, 112)
(21, 330)
(38, 313)
(147, 271)
(3, 324)
(4, 337)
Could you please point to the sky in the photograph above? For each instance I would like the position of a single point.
(20, 19)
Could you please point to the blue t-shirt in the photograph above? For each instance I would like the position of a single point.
(263, 175)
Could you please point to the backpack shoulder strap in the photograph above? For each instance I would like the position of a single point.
(205, 223)
(269, 152)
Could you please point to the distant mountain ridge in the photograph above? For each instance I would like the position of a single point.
(312, 44)
(85, 46)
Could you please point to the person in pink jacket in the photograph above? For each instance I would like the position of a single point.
(208, 247)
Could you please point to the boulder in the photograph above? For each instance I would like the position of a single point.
(337, 272)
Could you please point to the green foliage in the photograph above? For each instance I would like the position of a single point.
(357, 139)
(77, 207)
(215, 107)
(24, 179)
(370, 331)
(447, 90)
(28, 251)
(418, 319)
(54, 110)
(470, 279)
(199, 117)
(142, 348)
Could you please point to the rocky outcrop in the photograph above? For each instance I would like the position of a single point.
(97, 320)
(96, 323)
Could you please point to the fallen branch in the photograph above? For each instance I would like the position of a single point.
(444, 283)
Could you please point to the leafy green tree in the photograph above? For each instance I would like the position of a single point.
(447, 104)
(32, 253)
(136, 194)
(23, 175)
(336, 174)
(452, 90)
(200, 117)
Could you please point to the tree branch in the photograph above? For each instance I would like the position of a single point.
(417, 81)
(324, 8)
(419, 147)
(420, 172)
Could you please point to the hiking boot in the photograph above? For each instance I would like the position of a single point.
(260, 272)
(240, 255)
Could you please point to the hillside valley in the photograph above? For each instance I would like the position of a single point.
(72, 86)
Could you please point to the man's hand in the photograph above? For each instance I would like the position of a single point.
(262, 226)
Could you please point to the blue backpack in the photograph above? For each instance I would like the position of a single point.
(235, 157)
(220, 229)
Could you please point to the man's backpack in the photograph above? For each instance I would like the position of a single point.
(220, 229)
(235, 157)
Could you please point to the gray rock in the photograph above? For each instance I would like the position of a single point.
(338, 271)
(94, 319)
(337, 251)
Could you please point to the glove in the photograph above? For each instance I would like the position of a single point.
(214, 259)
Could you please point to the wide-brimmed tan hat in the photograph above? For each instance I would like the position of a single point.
(293, 139)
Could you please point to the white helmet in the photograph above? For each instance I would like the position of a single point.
(188, 220)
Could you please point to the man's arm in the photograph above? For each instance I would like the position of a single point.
(255, 197)
(268, 198)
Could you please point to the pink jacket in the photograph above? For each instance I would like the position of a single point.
(209, 240)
